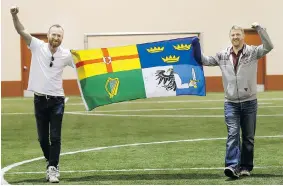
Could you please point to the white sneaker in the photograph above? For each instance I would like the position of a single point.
(245, 172)
(47, 172)
(52, 174)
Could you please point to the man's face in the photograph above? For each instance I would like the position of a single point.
(237, 38)
(55, 36)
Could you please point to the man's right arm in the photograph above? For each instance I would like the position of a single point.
(266, 45)
(209, 60)
(19, 27)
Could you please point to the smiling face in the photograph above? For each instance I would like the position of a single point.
(237, 36)
(55, 36)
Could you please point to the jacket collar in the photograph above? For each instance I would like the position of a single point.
(230, 48)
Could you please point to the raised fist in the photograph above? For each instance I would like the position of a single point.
(255, 24)
(14, 10)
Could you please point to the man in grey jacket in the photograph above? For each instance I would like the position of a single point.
(238, 64)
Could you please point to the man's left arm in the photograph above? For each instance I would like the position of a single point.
(266, 45)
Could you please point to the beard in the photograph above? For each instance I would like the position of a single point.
(54, 43)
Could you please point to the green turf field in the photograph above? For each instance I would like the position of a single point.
(175, 140)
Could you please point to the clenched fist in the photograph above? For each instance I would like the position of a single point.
(255, 24)
(14, 10)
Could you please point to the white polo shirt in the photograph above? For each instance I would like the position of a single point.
(44, 79)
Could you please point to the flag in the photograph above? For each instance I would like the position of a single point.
(156, 69)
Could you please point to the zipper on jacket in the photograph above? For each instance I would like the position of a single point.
(236, 73)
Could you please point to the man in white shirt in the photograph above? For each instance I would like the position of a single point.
(45, 80)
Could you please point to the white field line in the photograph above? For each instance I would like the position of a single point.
(172, 109)
(138, 170)
(78, 104)
(138, 110)
(196, 101)
(181, 101)
(161, 101)
(164, 116)
(9, 167)
(148, 116)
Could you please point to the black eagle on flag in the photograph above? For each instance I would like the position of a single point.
(167, 78)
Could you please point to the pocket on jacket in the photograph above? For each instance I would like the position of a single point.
(244, 90)
(230, 92)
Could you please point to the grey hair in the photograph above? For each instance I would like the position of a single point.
(235, 27)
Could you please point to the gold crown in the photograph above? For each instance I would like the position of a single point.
(171, 59)
(182, 47)
(155, 49)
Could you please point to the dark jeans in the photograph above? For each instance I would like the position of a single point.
(240, 115)
(49, 114)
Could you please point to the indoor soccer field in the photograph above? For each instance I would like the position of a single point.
(172, 140)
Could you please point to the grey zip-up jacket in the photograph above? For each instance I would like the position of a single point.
(240, 85)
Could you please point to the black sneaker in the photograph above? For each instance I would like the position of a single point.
(231, 172)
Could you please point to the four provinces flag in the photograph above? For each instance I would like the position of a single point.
(156, 69)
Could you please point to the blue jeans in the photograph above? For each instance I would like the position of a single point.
(240, 116)
(49, 115)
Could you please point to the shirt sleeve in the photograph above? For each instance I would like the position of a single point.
(266, 45)
(35, 43)
(70, 60)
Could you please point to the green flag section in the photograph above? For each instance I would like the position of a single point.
(113, 87)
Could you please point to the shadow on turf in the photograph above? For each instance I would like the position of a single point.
(255, 176)
(143, 177)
